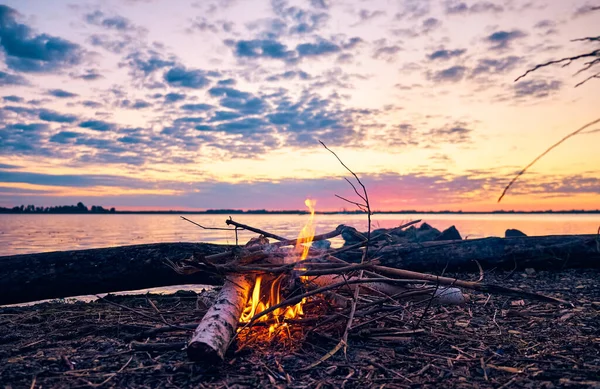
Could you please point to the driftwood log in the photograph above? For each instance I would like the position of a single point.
(34, 277)
(215, 332)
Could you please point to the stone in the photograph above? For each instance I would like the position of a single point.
(513, 233)
(450, 233)
(322, 244)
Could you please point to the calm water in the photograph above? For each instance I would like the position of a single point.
(21, 234)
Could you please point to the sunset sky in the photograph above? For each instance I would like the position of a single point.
(152, 104)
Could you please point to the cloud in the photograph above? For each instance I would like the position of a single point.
(89, 75)
(72, 180)
(174, 97)
(97, 125)
(289, 75)
(388, 53)
(137, 104)
(455, 133)
(22, 139)
(412, 9)
(453, 7)
(113, 45)
(12, 79)
(119, 23)
(63, 94)
(273, 49)
(365, 15)
(266, 48)
(503, 39)
(536, 88)
(430, 24)
(91, 104)
(585, 10)
(444, 54)
(293, 20)
(451, 74)
(184, 78)
(13, 99)
(196, 107)
(317, 49)
(144, 63)
(27, 52)
(496, 65)
(53, 116)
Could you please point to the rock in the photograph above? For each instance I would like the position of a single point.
(450, 233)
(350, 236)
(322, 244)
(512, 233)
(530, 271)
(427, 235)
(425, 227)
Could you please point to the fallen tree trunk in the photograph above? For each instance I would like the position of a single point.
(215, 332)
(32, 277)
(538, 252)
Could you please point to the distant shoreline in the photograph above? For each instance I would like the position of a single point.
(299, 212)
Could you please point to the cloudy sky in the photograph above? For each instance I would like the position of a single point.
(160, 104)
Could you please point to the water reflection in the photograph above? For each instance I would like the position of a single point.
(21, 234)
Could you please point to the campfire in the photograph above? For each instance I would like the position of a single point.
(283, 291)
(290, 288)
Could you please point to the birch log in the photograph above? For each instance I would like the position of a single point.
(216, 329)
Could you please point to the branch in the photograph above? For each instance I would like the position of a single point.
(544, 153)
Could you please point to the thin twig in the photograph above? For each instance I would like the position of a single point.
(544, 153)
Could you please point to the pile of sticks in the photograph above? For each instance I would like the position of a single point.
(366, 291)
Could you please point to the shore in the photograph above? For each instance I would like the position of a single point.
(491, 342)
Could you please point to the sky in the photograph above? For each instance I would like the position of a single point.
(192, 105)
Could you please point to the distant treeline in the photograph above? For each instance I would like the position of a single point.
(79, 208)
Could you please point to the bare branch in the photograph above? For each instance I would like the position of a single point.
(544, 153)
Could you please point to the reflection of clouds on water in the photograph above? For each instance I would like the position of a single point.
(22, 234)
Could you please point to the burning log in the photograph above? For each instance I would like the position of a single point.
(217, 328)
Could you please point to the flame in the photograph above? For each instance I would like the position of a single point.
(261, 299)
(307, 234)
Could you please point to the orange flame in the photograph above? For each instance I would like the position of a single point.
(261, 300)
(308, 231)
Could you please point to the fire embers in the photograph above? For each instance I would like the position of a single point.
(267, 292)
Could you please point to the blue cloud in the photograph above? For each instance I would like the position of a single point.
(174, 97)
(117, 22)
(503, 39)
(496, 65)
(444, 54)
(228, 92)
(224, 115)
(91, 104)
(451, 74)
(90, 75)
(61, 93)
(65, 137)
(97, 125)
(22, 138)
(196, 107)
(317, 49)
(181, 77)
(536, 88)
(147, 63)
(13, 99)
(138, 104)
(475, 8)
(28, 52)
(267, 48)
(12, 79)
(226, 82)
(52, 116)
